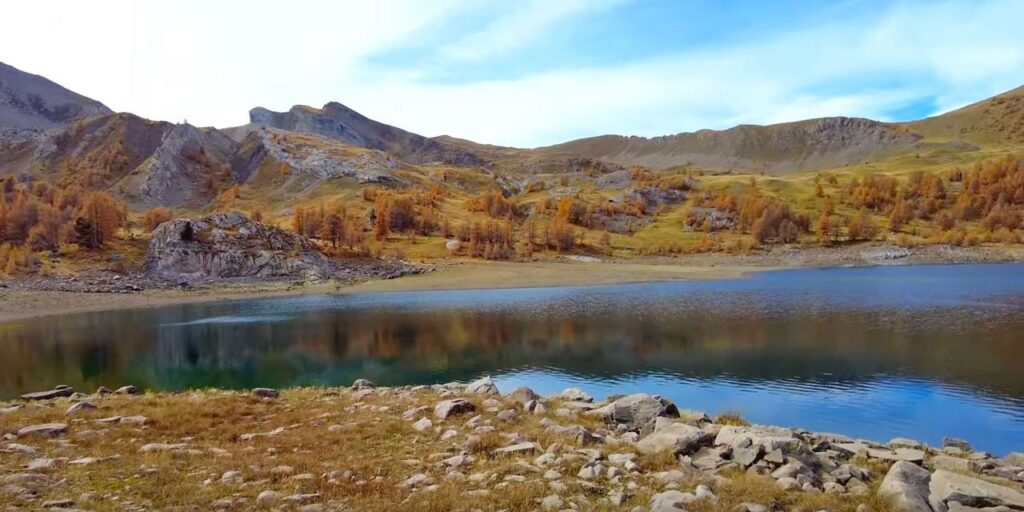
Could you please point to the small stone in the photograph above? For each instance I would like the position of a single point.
(266, 393)
(127, 390)
(954, 442)
(423, 424)
(787, 484)
(414, 480)
(576, 394)
(268, 497)
(21, 448)
(507, 415)
(704, 492)
(591, 470)
(66, 503)
(49, 395)
(833, 488)
(775, 457)
(361, 384)
(446, 408)
(483, 386)
(523, 395)
(303, 499)
(44, 430)
(78, 407)
(551, 502)
(161, 447)
(232, 478)
(671, 501)
(518, 449)
(282, 470)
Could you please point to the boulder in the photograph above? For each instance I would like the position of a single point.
(483, 386)
(680, 438)
(637, 412)
(947, 487)
(447, 408)
(907, 485)
(360, 384)
(49, 395)
(231, 245)
(523, 395)
(44, 430)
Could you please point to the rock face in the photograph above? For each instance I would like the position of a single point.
(225, 245)
(336, 121)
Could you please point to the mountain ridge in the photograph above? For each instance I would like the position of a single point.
(159, 163)
(31, 104)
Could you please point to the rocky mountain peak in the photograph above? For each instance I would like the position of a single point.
(30, 104)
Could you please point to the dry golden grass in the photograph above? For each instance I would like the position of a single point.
(353, 452)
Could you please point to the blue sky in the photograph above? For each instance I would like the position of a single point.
(528, 72)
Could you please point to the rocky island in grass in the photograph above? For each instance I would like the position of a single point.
(460, 447)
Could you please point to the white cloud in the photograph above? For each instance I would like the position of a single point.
(527, 21)
(212, 61)
(956, 52)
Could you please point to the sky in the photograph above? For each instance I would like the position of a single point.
(525, 73)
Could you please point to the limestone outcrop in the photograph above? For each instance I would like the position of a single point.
(230, 245)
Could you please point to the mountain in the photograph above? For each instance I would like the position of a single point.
(146, 162)
(279, 156)
(787, 147)
(338, 122)
(30, 104)
(996, 120)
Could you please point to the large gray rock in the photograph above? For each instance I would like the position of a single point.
(949, 487)
(637, 412)
(231, 245)
(679, 438)
(906, 484)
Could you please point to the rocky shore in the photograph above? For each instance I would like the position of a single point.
(460, 447)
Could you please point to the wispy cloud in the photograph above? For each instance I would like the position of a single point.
(526, 22)
(956, 53)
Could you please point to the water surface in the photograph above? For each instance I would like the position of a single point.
(876, 353)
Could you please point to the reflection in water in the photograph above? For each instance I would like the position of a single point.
(924, 351)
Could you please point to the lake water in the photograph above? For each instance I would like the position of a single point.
(875, 353)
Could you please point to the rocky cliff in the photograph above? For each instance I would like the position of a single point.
(230, 245)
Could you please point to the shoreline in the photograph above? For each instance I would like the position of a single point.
(21, 303)
(459, 446)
